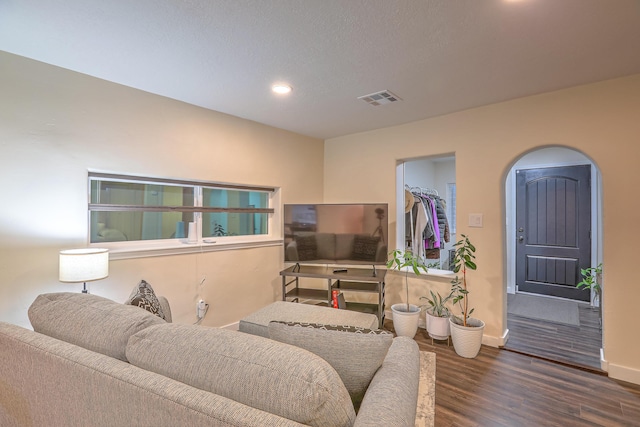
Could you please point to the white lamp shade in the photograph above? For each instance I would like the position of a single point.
(84, 265)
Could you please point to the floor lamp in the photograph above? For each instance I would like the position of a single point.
(83, 265)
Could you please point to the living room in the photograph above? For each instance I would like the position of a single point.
(57, 124)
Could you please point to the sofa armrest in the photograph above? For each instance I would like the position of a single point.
(392, 396)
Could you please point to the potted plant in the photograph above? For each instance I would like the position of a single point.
(591, 279)
(405, 316)
(437, 316)
(466, 331)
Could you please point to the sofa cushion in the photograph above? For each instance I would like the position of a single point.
(344, 246)
(307, 248)
(365, 247)
(261, 373)
(89, 321)
(326, 243)
(144, 297)
(355, 353)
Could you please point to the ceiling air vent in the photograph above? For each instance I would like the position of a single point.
(380, 98)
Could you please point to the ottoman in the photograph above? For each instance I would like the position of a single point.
(257, 323)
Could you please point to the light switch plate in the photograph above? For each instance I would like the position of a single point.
(475, 220)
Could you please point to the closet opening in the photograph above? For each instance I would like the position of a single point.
(426, 216)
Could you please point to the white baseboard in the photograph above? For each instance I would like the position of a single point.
(504, 338)
(388, 314)
(604, 365)
(492, 341)
(232, 326)
(623, 373)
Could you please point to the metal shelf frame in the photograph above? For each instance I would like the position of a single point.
(352, 280)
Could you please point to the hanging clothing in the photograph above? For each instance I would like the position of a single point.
(422, 220)
(435, 242)
(427, 226)
(429, 231)
(442, 221)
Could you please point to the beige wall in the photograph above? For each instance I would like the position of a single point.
(601, 120)
(56, 124)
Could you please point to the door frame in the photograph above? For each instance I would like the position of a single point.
(539, 160)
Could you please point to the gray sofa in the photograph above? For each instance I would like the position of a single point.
(330, 248)
(94, 362)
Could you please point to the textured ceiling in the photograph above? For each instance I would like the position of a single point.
(439, 56)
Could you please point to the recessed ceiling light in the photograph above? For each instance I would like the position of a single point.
(281, 88)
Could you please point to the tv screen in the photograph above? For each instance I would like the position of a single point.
(336, 233)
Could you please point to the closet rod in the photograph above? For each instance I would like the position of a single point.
(422, 190)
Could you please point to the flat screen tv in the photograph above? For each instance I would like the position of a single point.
(352, 233)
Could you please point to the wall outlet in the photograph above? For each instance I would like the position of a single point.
(201, 308)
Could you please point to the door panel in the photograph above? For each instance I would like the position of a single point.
(553, 221)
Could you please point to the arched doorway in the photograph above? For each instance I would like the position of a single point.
(543, 321)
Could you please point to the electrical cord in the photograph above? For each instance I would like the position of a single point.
(206, 309)
(200, 285)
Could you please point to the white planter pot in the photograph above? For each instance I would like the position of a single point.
(437, 327)
(405, 323)
(467, 340)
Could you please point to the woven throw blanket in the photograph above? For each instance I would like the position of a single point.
(425, 412)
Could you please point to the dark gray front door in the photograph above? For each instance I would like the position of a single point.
(553, 230)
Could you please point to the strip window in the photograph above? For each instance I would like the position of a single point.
(137, 209)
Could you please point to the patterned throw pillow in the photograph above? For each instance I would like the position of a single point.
(307, 248)
(144, 297)
(341, 328)
(364, 247)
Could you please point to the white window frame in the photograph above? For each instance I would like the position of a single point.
(162, 247)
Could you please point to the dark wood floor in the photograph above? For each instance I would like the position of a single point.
(576, 345)
(503, 388)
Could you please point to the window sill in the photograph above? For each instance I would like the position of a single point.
(431, 273)
(180, 247)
